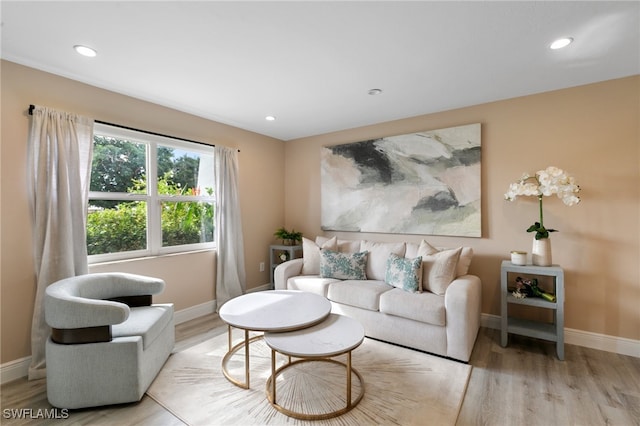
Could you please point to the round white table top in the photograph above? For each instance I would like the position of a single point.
(275, 310)
(336, 335)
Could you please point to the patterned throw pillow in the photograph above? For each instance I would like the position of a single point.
(343, 266)
(404, 273)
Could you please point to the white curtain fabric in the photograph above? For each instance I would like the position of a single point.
(230, 277)
(60, 152)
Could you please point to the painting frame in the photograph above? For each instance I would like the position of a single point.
(425, 183)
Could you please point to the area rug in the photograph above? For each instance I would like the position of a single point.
(401, 387)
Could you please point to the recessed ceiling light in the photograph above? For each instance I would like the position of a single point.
(85, 51)
(560, 43)
(374, 92)
(270, 118)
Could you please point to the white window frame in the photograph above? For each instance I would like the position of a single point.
(152, 198)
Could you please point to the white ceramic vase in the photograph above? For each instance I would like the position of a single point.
(541, 252)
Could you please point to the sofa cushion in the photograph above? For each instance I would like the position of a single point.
(145, 321)
(349, 246)
(344, 246)
(404, 273)
(464, 262)
(311, 284)
(424, 307)
(378, 255)
(411, 250)
(363, 294)
(311, 254)
(343, 266)
(438, 269)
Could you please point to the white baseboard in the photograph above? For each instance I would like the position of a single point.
(13, 370)
(184, 315)
(603, 342)
(263, 287)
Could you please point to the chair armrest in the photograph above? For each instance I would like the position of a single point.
(286, 270)
(65, 311)
(462, 302)
(80, 302)
(109, 285)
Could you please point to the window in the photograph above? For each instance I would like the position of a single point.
(148, 195)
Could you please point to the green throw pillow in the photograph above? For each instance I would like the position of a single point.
(343, 266)
(404, 273)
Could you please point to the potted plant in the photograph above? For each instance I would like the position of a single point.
(288, 237)
(547, 182)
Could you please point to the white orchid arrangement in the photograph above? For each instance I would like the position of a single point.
(544, 183)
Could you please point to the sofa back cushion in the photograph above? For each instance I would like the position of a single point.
(464, 262)
(378, 255)
(344, 246)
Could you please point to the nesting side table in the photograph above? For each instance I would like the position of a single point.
(337, 335)
(553, 332)
(274, 310)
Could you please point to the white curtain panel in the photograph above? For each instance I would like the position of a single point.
(60, 153)
(230, 277)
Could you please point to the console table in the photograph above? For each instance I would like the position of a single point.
(553, 332)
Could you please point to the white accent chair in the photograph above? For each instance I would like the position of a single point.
(108, 342)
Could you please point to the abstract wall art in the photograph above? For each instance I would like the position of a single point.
(420, 183)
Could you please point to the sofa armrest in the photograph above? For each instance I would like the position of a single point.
(462, 301)
(286, 270)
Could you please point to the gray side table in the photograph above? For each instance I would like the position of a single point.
(276, 250)
(553, 332)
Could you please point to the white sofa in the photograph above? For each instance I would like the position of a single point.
(442, 317)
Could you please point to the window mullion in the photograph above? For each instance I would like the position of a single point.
(154, 231)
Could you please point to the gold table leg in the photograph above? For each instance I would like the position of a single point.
(273, 372)
(232, 350)
(349, 379)
(271, 388)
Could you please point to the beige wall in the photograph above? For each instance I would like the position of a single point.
(592, 132)
(189, 277)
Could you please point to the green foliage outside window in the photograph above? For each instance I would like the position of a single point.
(116, 226)
(118, 229)
(124, 227)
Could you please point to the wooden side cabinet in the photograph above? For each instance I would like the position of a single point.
(275, 251)
(553, 332)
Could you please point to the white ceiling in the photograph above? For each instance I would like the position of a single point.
(311, 64)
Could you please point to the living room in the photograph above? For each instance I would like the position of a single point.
(591, 129)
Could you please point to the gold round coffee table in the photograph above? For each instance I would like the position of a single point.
(336, 335)
(273, 311)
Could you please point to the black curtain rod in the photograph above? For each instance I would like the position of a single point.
(31, 107)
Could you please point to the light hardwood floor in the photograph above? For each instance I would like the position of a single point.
(522, 384)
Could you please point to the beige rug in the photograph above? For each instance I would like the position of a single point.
(402, 387)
